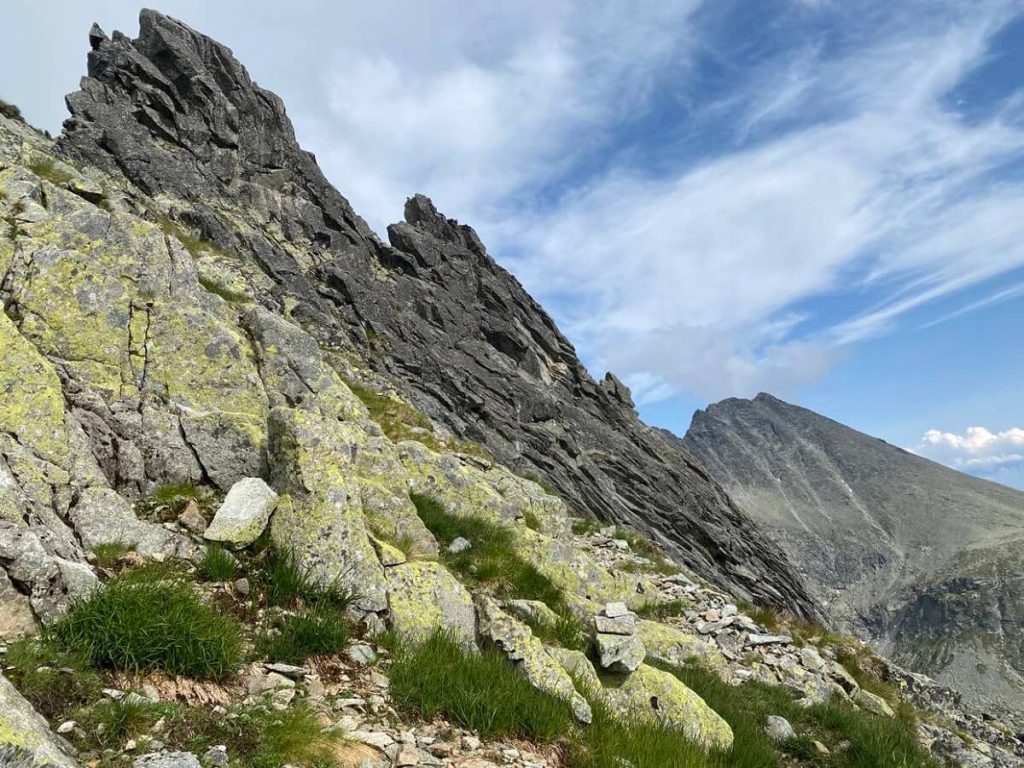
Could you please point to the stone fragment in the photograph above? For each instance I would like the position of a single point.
(779, 729)
(755, 639)
(614, 610)
(167, 760)
(458, 545)
(244, 515)
(619, 653)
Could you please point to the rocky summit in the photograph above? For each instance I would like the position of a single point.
(276, 493)
(921, 559)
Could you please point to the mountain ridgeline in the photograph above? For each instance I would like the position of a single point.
(178, 117)
(926, 561)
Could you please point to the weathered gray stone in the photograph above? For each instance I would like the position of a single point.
(16, 617)
(244, 515)
(102, 516)
(872, 702)
(423, 597)
(779, 729)
(167, 760)
(619, 653)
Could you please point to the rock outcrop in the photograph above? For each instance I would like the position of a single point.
(922, 559)
(175, 114)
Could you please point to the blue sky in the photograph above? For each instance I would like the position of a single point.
(824, 200)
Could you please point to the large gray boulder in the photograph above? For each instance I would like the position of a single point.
(424, 597)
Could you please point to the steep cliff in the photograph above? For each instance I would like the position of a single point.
(175, 114)
(922, 559)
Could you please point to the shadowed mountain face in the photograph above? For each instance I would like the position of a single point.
(924, 560)
(177, 115)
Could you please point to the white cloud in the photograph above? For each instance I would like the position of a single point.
(977, 450)
(680, 281)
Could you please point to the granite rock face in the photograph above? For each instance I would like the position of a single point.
(924, 560)
(175, 113)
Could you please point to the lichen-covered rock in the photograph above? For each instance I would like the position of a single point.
(101, 516)
(667, 644)
(516, 641)
(466, 489)
(154, 366)
(619, 653)
(23, 730)
(531, 610)
(580, 669)
(653, 693)
(167, 760)
(244, 515)
(424, 597)
(872, 702)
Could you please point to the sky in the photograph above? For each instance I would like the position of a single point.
(821, 199)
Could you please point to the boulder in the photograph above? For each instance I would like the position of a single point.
(167, 760)
(655, 694)
(779, 729)
(872, 702)
(16, 617)
(244, 515)
(424, 596)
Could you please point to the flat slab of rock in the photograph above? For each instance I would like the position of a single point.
(756, 639)
(244, 515)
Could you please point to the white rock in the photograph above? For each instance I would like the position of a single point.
(779, 729)
(244, 515)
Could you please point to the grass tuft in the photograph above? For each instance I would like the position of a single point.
(53, 680)
(566, 630)
(11, 111)
(288, 584)
(217, 564)
(492, 560)
(293, 638)
(111, 723)
(138, 624)
(46, 168)
(481, 691)
(658, 609)
(110, 553)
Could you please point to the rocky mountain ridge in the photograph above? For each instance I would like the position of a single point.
(207, 390)
(917, 557)
(179, 118)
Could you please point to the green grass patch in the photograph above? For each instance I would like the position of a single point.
(227, 293)
(217, 564)
(109, 723)
(46, 168)
(293, 638)
(138, 624)
(492, 560)
(872, 740)
(585, 525)
(257, 736)
(167, 502)
(287, 583)
(531, 520)
(54, 680)
(481, 691)
(566, 630)
(110, 553)
(613, 743)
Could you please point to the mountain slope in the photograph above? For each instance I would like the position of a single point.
(179, 117)
(921, 558)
